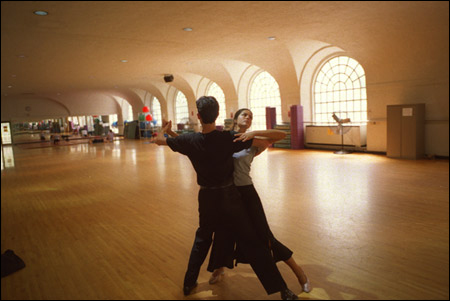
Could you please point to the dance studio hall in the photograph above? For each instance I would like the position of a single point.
(347, 103)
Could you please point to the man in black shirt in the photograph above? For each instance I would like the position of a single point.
(220, 205)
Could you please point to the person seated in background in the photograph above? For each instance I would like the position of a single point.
(42, 136)
(55, 139)
(110, 136)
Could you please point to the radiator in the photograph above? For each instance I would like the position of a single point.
(322, 135)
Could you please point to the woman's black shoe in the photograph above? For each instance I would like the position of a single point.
(287, 294)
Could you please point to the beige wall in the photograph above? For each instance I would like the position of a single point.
(417, 79)
(434, 93)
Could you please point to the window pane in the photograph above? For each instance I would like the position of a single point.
(343, 60)
(352, 63)
(336, 96)
(330, 96)
(349, 83)
(334, 61)
(326, 67)
(362, 80)
(364, 105)
(348, 71)
(336, 107)
(318, 87)
(363, 93)
(363, 116)
(357, 94)
(349, 96)
(320, 77)
(330, 107)
(351, 115)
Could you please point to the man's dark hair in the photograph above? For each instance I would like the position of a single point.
(208, 108)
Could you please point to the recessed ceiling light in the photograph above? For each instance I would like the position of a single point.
(187, 29)
(124, 61)
(41, 13)
(9, 87)
(271, 38)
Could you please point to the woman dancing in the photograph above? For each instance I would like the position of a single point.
(223, 246)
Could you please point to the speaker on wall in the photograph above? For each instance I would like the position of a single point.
(168, 78)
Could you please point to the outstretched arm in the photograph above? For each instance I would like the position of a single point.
(261, 139)
(271, 135)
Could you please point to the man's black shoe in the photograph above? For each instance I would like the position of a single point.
(188, 289)
(287, 294)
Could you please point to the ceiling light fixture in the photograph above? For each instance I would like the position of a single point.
(271, 38)
(41, 13)
(187, 29)
(124, 61)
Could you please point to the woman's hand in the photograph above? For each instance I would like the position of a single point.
(244, 136)
(169, 129)
(160, 139)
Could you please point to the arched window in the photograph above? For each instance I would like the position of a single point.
(113, 123)
(217, 92)
(264, 92)
(130, 113)
(340, 88)
(181, 109)
(156, 111)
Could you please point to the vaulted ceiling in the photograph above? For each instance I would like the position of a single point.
(79, 45)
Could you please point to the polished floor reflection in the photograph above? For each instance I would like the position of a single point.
(117, 221)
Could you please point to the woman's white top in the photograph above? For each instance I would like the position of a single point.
(242, 163)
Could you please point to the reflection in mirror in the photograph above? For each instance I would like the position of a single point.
(7, 157)
(73, 126)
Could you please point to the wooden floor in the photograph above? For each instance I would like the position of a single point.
(117, 221)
